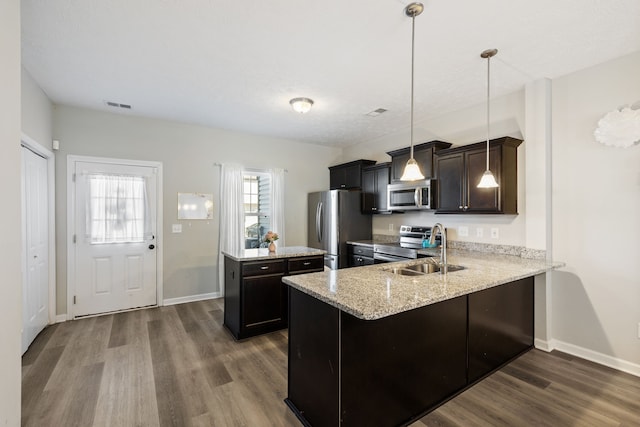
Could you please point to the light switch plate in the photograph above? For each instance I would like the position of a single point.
(176, 228)
(463, 231)
(479, 232)
(495, 233)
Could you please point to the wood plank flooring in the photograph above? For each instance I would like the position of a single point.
(177, 366)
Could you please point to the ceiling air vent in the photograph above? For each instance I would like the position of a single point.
(375, 113)
(117, 105)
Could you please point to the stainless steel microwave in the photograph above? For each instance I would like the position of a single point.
(410, 195)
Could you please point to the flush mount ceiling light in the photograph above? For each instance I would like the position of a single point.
(412, 170)
(301, 105)
(488, 180)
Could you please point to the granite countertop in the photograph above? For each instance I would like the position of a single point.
(281, 252)
(371, 293)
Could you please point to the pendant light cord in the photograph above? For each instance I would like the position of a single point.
(413, 43)
(488, 106)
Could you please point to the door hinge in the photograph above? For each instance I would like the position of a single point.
(73, 177)
(74, 299)
(74, 238)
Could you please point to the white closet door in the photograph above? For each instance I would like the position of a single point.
(35, 294)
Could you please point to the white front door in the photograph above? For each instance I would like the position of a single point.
(35, 204)
(115, 237)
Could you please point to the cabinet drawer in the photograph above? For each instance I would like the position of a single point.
(262, 267)
(303, 265)
(362, 250)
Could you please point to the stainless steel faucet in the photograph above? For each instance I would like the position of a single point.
(443, 249)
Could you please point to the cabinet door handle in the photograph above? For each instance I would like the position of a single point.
(266, 267)
(306, 263)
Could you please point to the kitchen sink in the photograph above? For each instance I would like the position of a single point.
(427, 267)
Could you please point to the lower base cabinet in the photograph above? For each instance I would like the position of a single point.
(256, 300)
(500, 326)
(344, 371)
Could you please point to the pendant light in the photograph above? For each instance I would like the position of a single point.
(488, 180)
(412, 170)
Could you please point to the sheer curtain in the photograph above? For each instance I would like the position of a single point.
(231, 215)
(117, 210)
(277, 203)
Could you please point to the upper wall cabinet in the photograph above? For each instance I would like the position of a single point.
(458, 171)
(375, 180)
(422, 153)
(348, 176)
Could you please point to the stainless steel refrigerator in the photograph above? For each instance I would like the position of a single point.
(335, 217)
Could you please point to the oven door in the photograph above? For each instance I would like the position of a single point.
(382, 258)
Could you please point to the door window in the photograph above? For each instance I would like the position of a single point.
(116, 209)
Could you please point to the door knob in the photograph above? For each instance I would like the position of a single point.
(152, 246)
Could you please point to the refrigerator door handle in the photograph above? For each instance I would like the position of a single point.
(319, 221)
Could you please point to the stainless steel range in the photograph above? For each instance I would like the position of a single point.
(411, 238)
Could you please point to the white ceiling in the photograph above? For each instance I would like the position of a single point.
(235, 64)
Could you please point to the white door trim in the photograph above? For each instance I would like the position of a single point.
(71, 220)
(39, 149)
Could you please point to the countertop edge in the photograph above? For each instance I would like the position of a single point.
(260, 254)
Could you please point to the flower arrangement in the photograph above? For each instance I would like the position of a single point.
(270, 237)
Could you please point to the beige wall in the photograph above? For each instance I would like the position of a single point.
(10, 225)
(188, 154)
(596, 206)
(36, 111)
(459, 128)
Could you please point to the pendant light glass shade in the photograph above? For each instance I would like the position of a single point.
(488, 180)
(412, 170)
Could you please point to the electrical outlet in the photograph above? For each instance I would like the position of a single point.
(479, 232)
(495, 233)
(463, 231)
(176, 228)
(390, 227)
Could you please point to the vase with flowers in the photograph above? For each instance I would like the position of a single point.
(270, 238)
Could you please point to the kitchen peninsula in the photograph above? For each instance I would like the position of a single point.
(255, 300)
(368, 346)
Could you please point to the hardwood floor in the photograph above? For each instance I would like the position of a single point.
(177, 366)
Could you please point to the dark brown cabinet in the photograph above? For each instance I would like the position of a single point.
(255, 300)
(500, 326)
(375, 180)
(360, 255)
(458, 171)
(393, 370)
(348, 176)
(422, 153)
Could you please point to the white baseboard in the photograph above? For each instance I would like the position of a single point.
(543, 345)
(593, 356)
(192, 298)
(61, 318)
